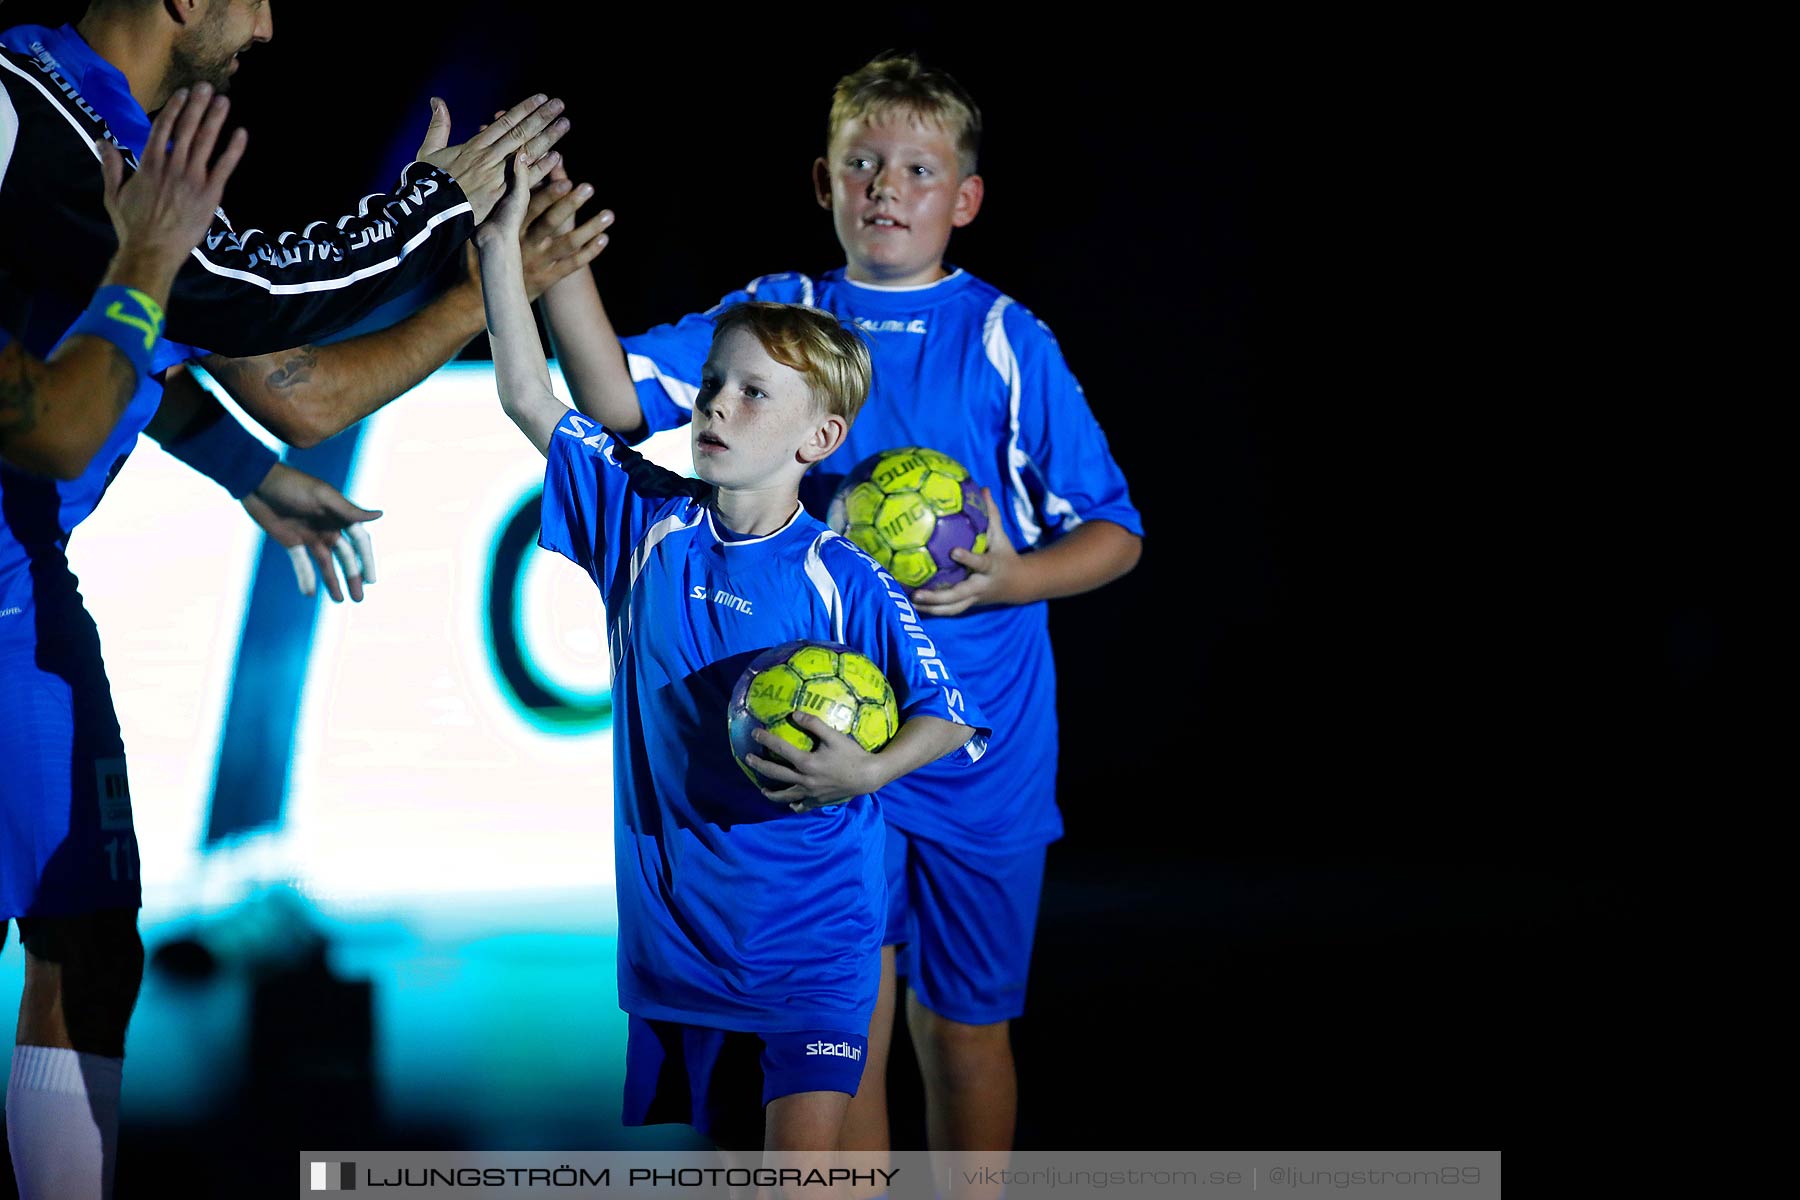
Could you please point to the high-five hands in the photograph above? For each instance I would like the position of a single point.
(479, 165)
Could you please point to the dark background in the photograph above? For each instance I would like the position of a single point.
(1357, 763)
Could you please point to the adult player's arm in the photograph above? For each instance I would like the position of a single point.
(520, 371)
(187, 411)
(309, 393)
(55, 415)
(256, 293)
(306, 394)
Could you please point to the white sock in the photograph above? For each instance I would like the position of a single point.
(62, 1123)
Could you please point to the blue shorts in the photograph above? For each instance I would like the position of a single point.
(964, 922)
(712, 1078)
(67, 844)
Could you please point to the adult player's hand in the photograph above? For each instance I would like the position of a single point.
(835, 770)
(990, 575)
(165, 207)
(479, 165)
(316, 524)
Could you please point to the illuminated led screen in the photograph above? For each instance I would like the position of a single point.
(451, 735)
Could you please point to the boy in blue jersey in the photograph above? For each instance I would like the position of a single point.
(750, 925)
(960, 367)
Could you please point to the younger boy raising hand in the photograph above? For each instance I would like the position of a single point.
(750, 924)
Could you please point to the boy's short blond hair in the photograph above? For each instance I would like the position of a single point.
(901, 83)
(833, 360)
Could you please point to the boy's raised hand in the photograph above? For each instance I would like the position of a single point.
(989, 576)
(554, 247)
(507, 219)
(835, 770)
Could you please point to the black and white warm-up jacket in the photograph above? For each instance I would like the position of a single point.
(243, 291)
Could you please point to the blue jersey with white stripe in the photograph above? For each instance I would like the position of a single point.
(963, 369)
(39, 603)
(734, 912)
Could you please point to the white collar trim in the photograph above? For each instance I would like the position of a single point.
(725, 541)
(894, 287)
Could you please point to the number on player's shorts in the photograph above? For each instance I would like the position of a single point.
(117, 848)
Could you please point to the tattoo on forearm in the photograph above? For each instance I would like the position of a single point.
(18, 394)
(296, 370)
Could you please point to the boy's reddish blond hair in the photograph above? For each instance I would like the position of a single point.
(833, 360)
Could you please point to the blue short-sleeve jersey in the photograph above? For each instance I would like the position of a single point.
(734, 912)
(962, 368)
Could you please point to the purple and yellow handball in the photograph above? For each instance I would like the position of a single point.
(908, 509)
(831, 682)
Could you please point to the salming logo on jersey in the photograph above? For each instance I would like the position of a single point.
(869, 325)
(577, 426)
(721, 596)
(926, 649)
(835, 1049)
(53, 69)
(407, 201)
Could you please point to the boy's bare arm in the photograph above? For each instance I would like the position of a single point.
(837, 768)
(921, 740)
(1089, 556)
(520, 370)
(593, 361)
